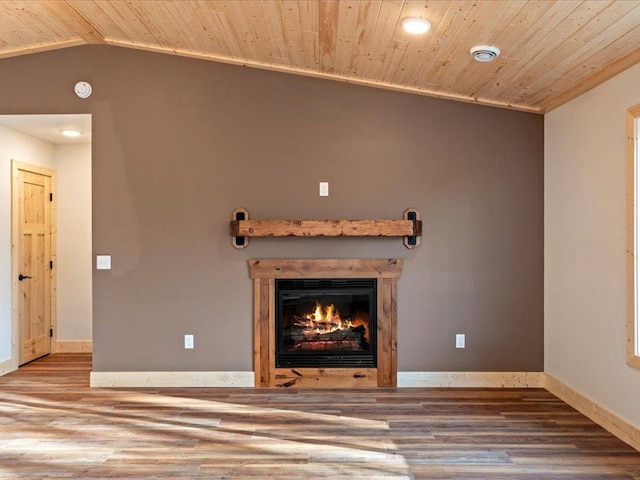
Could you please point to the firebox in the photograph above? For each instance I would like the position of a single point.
(326, 322)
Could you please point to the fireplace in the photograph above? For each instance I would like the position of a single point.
(362, 355)
(325, 322)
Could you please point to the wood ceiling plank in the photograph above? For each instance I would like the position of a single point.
(75, 22)
(515, 31)
(192, 21)
(383, 31)
(368, 13)
(291, 32)
(221, 38)
(204, 20)
(169, 20)
(400, 41)
(237, 30)
(33, 26)
(536, 53)
(348, 17)
(596, 79)
(210, 18)
(438, 54)
(114, 20)
(394, 58)
(327, 34)
(419, 47)
(308, 16)
(144, 14)
(226, 34)
(266, 39)
(574, 61)
(483, 26)
(522, 35)
(396, 54)
(589, 73)
(279, 37)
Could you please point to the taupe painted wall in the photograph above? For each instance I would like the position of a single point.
(179, 143)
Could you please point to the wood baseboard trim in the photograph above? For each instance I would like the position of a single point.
(172, 379)
(621, 428)
(73, 346)
(246, 379)
(7, 366)
(470, 379)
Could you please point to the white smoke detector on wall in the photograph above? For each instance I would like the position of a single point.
(484, 53)
(83, 89)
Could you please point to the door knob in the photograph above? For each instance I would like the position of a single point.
(23, 277)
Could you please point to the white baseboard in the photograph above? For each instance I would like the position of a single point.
(73, 346)
(172, 379)
(7, 366)
(470, 379)
(625, 431)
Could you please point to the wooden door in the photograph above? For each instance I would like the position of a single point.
(34, 260)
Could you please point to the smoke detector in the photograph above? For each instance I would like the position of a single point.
(484, 53)
(83, 89)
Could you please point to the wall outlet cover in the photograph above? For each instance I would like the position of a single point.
(460, 340)
(188, 342)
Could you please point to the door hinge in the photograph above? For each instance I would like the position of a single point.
(51, 332)
(51, 265)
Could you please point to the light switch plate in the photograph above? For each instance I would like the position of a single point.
(103, 262)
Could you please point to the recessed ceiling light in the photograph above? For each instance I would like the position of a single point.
(416, 26)
(71, 133)
(484, 53)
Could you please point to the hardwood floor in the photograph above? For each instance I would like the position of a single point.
(52, 426)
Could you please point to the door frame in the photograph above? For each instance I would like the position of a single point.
(17, 166)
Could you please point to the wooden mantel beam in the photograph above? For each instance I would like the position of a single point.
(326, 228)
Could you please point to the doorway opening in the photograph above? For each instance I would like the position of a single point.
(33, 142)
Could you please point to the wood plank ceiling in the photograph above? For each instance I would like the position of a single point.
(552, 51)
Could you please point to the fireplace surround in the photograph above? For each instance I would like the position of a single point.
(379, 370)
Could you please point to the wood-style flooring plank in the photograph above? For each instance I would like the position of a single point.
(53, 426)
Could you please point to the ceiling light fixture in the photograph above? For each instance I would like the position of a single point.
(416, 26)
(484, 53)
(71, 133)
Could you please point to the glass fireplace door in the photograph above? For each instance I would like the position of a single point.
(326, 323)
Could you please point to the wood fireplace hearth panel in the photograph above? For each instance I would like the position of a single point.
(264, 272)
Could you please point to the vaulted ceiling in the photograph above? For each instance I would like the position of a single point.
(552, 50)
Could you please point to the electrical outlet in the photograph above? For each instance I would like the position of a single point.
(188, 341)
(324, 189)
(460, 340)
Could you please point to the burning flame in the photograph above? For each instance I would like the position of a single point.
(328, 320)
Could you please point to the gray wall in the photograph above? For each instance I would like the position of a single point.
(179, 143)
